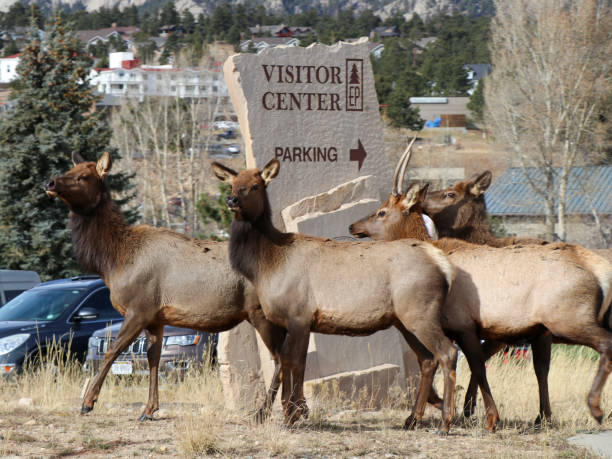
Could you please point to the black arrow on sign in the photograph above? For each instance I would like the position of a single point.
(358, 154)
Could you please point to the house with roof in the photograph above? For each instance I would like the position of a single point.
(93, 37)
(475, 72)
(511, 199)
(385, 32)
(259, 44)
(280, 30)
(8, 68)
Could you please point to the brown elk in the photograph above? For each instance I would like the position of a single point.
(309, 284)
(460, 211)
(508, 294)
(155, 276)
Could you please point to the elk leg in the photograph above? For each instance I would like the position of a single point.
(605, 366)
(293, 363)
(470, 345)
(428, 369)
(130, 329)
(489, 348)
(273, 336)
(155, 335)
(541, 348)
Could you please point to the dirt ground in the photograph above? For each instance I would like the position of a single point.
(40, 417)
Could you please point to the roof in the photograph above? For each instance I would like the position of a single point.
(386, 31)
(12, 56)
(510, 194)
(480, 70)
(86, 35)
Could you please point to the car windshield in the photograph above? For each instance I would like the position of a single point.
(40, 304)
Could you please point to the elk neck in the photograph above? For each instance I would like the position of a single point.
(98, 236)
(252, 242)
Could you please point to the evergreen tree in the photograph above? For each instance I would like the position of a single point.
(52, 117)
(401, 113)
(477, 101)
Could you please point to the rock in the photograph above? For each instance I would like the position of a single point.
(240, 368)
(366, 388)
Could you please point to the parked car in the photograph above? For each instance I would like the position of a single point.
(65, 311)
(14, 282)
(229, 134)
(232, 149)
(182, 348)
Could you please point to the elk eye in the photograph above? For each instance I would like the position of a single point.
(255, 187)
(82, 177)
(450, 195)
(382, 213)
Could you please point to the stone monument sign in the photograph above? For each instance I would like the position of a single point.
(315, 110)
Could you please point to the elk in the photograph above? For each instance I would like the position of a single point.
(511, 293)
(306, 284)
(460, 211)
(156, 277)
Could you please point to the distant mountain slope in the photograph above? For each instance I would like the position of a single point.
(383, 8)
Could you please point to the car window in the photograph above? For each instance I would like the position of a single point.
(41, 304)
(101, 302)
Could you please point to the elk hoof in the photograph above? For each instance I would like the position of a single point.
(86, 409)
(410, 423)
(442, 433)
(145, 417)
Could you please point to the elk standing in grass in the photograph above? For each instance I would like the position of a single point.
(512, 293)
(309, 284)
(156, 277)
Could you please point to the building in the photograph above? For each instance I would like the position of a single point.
(431, 108)
(93, 37)
(475, 72)
(521, 210)
(8, 68)
(126, 77)
(280, 30)
(385, 32)
(259, 44)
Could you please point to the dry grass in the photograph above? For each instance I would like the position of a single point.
(39, 417)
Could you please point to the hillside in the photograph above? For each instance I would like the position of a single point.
(382, 8)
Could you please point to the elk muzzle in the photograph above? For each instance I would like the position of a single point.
(232, 202)
(50, 188)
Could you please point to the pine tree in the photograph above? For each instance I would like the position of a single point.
(401, 113)
(52, 117)
(477, 101)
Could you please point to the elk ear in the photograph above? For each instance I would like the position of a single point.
(77, 158)
(225, 174)
(411, 197)
(480, 184)
(103, 165)
(270, 171)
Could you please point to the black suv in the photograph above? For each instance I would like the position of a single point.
(66, 311)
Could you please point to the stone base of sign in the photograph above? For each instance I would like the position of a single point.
(240, 368)
(365, 389)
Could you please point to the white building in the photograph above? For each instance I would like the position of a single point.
(126, 77)
(8, 68)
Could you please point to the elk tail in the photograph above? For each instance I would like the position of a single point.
(443, 263)
(602, 270)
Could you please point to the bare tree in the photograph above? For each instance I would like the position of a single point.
(164, 140)
(551, 73)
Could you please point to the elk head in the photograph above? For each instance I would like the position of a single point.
(248, 199)
(459, 209)
(82, 187)
(399, 217)
(402, 214)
